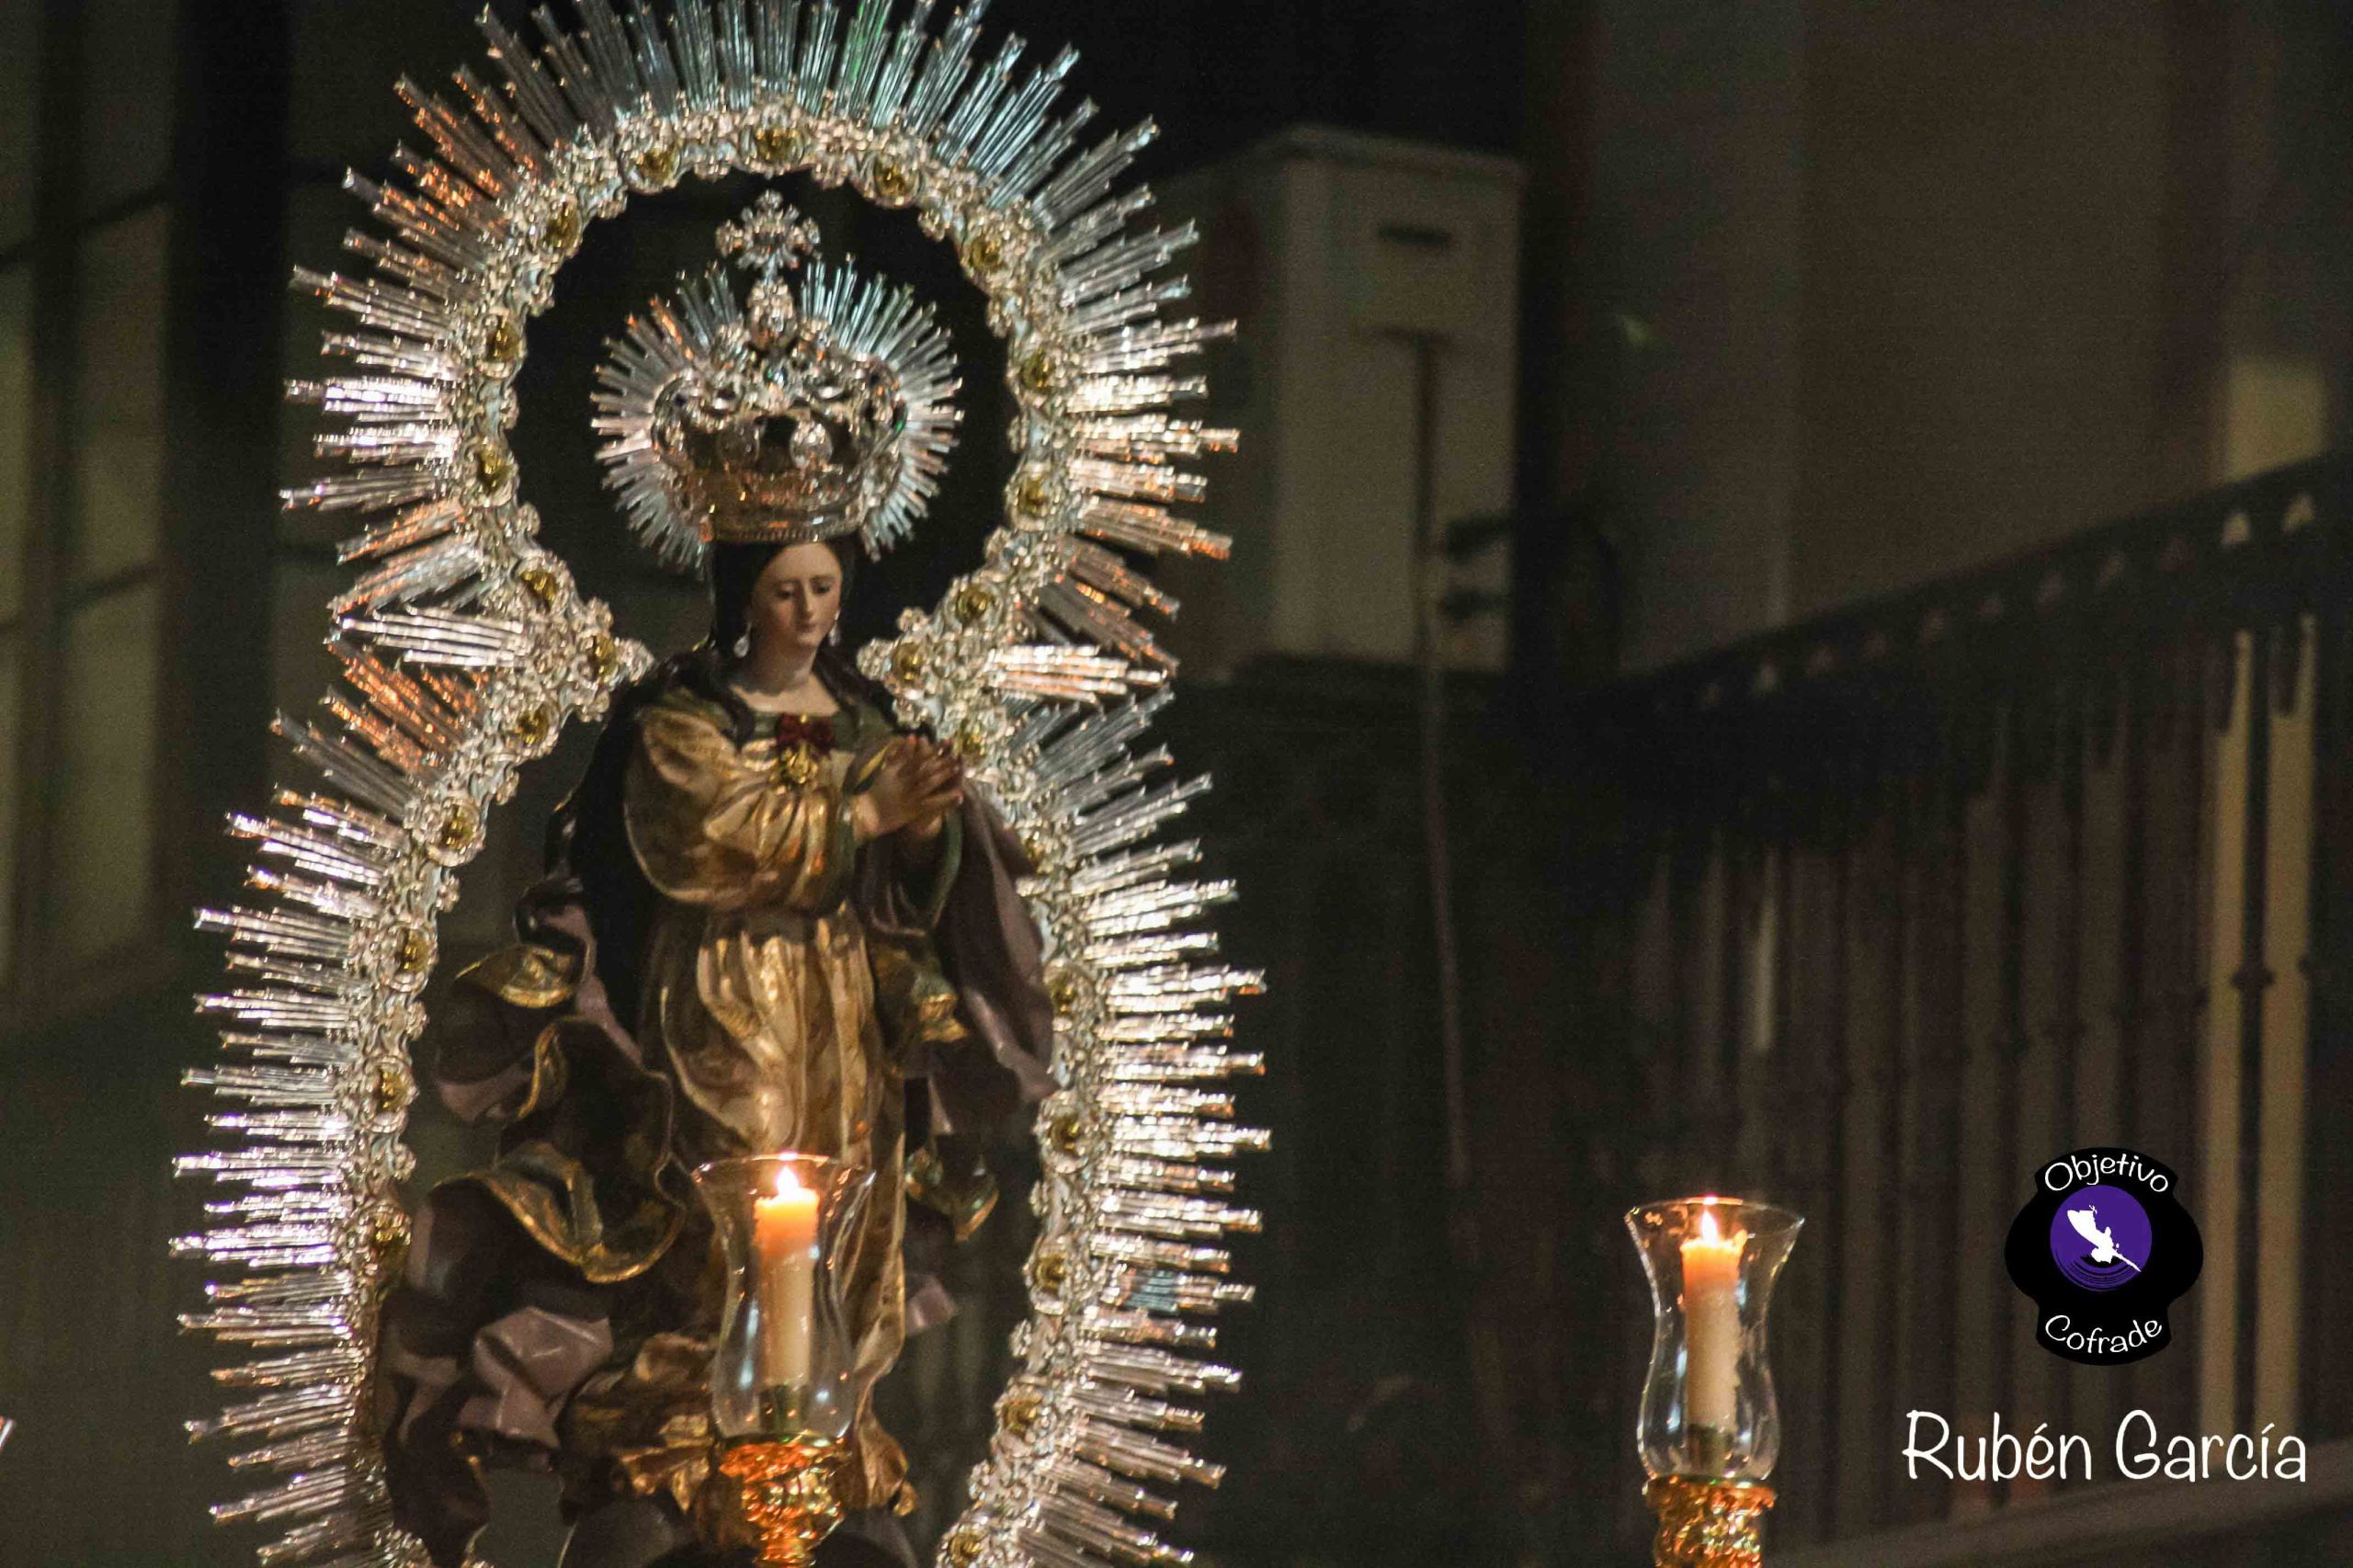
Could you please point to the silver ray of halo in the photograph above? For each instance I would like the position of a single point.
(465, 649)
(865, 317)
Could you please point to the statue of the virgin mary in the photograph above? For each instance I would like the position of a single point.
(772, 920)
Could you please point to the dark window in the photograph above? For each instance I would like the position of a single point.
(86, 227)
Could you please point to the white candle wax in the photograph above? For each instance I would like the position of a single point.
(1712, 1325)
(784, 1235)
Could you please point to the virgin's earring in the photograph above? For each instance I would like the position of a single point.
(835, 634)
(744, 647)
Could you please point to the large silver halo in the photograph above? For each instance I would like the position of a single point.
(467, 649)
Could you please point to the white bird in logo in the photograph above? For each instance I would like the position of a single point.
(2088, 1225)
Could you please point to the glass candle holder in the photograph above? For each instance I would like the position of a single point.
(785, 1368)
(1708, 1406)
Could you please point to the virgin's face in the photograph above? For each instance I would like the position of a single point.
(796, 599)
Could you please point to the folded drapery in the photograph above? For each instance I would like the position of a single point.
(557, 1307)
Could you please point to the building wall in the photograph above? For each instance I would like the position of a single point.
(1883, 293)
(1983, 246)
(1694, 304)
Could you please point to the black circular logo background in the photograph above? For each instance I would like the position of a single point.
(2114, 1311)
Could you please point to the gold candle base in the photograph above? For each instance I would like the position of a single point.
(1704, 1523)
(787, 1495)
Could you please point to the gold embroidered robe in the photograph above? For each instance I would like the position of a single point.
(775, 986)
(782, 1018)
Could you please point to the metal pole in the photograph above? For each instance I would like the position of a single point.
(1482, 1344)
(1429, 591)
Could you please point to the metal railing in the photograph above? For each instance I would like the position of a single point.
(1905, 900)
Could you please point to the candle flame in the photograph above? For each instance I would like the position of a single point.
(788, 1182)
(1708, 1230)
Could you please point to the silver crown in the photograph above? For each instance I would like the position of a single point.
(778, 418)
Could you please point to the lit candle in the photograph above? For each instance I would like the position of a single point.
(784, 1235)
(1712, 1325)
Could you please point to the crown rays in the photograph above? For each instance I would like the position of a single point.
(705, 330)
